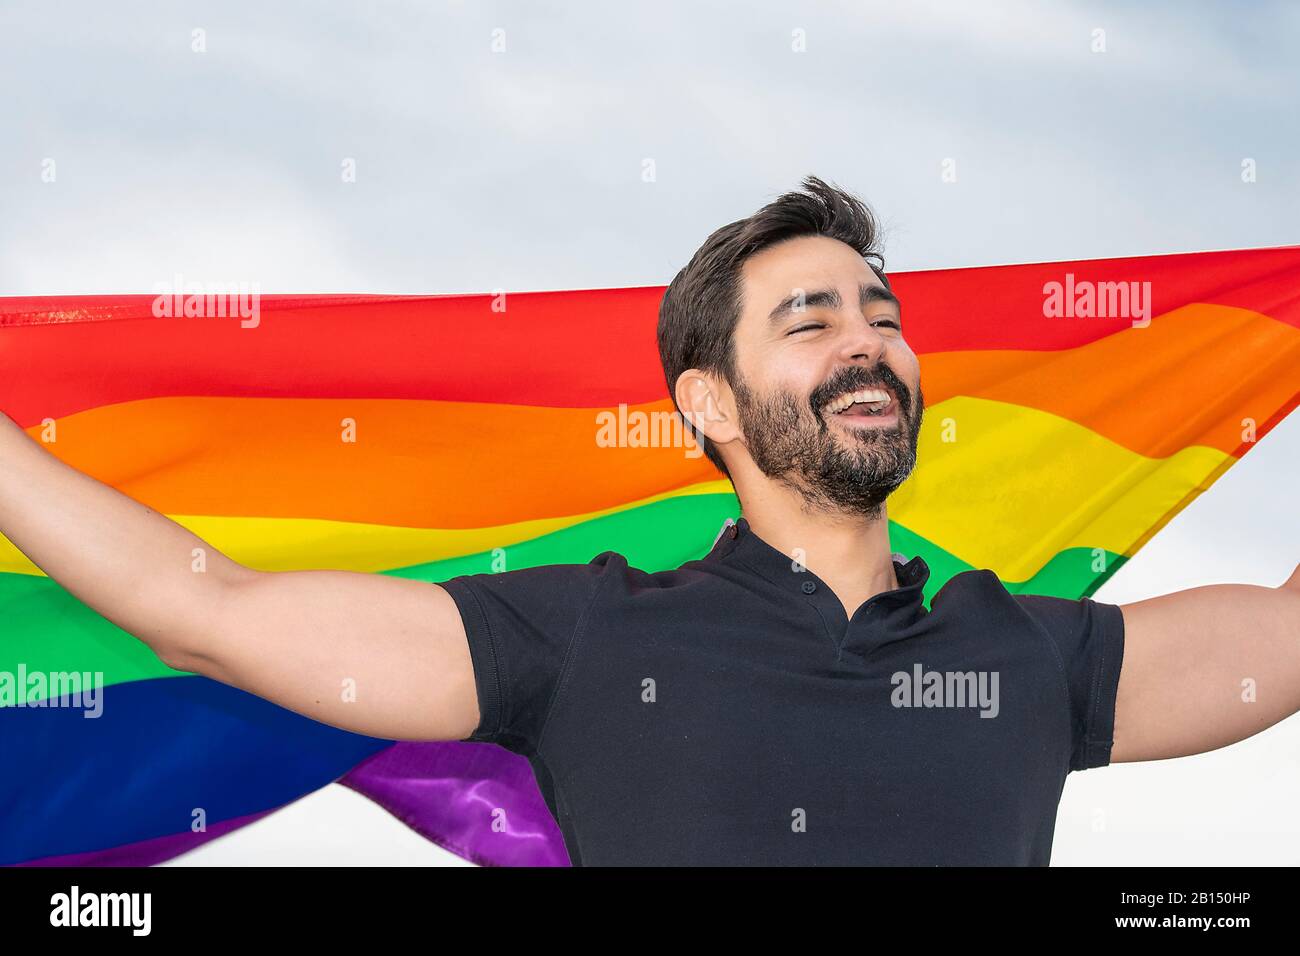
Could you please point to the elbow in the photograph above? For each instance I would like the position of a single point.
(196, 635)
(179, 659)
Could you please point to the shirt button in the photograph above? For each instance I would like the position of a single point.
(808, 587)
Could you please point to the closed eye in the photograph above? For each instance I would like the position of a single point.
(892, 323)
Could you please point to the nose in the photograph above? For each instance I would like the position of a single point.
(861, 343)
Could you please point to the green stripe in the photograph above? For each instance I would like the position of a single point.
(1071, 573)
(48, 629)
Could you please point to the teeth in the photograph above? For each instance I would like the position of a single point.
(871, 396)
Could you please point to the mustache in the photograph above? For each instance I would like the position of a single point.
(855, 378)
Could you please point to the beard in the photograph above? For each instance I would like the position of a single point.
(790, 440)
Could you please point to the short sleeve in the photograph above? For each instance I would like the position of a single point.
(520, 625)
(1089, 636)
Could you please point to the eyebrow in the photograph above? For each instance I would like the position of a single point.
(830, 298)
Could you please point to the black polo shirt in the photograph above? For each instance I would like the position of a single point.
(728, 712)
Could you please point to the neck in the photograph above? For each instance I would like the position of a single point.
(850, 552)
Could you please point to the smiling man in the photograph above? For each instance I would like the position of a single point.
(842, 443)
(786, 699)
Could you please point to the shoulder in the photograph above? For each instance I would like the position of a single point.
(981, 591)
(1071, 616)
(562, 575)
(571, 580)
(607, 580)
(973, 586)
(984, 584)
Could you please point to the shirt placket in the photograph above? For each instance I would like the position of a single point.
(827, 606)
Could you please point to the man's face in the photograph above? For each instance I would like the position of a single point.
(818, 330)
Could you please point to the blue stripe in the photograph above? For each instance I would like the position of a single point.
(160, 749)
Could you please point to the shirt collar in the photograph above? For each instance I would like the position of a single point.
(896, 608)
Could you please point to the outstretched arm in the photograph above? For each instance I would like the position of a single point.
(1206, 667)
(377, 655)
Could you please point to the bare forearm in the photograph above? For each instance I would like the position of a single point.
(134, 566)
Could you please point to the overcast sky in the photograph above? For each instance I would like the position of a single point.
(524, 168)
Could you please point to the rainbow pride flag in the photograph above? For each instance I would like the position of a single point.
(1059, 437)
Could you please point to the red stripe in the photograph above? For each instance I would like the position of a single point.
(592, 348)
(1001, 307)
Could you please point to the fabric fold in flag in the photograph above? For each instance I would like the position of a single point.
(1067, 421)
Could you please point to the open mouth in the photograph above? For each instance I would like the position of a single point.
(863, 403)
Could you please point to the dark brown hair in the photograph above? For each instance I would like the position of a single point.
(701, 306)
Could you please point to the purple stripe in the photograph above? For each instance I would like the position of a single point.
(476, 800)
(149, 852)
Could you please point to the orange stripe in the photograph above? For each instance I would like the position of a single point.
(414, 464)
(1155, 390)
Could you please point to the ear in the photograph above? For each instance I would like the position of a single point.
(708, 403)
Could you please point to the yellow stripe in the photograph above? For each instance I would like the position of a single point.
(285, 544)
(1006, 487)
